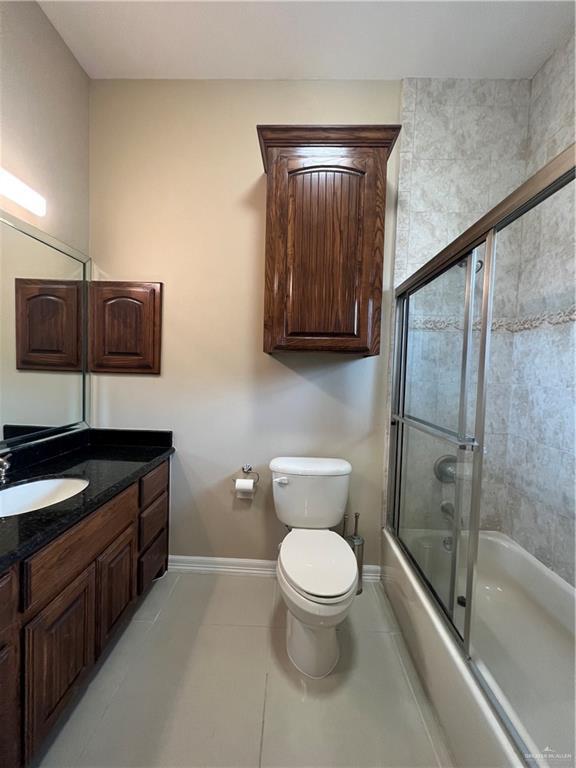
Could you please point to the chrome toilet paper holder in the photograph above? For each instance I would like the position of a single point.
(247, 469)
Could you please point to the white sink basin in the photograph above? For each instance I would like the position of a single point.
(38, 494)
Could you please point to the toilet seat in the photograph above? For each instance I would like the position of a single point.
(319, 565)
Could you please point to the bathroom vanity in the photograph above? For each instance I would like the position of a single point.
(71, 573)
(83, 512)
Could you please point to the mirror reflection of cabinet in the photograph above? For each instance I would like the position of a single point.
(42, 381)
(56, 327)
(48, 325)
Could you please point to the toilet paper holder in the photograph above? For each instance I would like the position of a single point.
(248, 469)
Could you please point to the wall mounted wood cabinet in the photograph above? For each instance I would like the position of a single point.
(326, 197)
(48, 325)
(125, 327)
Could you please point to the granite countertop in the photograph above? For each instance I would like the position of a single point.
(109, 468)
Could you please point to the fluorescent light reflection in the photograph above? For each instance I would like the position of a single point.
(21, 194)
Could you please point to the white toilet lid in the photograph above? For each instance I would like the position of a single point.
(318, 562)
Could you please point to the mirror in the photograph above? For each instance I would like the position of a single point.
(42, 339)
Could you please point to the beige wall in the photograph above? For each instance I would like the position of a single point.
(178, 195)
(44, 121)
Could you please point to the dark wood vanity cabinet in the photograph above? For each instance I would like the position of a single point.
(59, 651)
(153, 526)
(116, 584)
(9, 697)
(10, 685)
(72, 595)
(326, 198)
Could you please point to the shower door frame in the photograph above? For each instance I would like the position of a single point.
(548, 180)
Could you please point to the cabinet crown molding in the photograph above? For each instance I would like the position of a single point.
(278, 136)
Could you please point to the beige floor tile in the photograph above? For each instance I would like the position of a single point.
(385, 608)
(72, 734)
(191, 684)
(429, 717)
(242, 601)
(364, 714)
(157, 597)
(371, 612)
(210, 714)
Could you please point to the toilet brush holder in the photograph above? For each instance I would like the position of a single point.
(357, 545)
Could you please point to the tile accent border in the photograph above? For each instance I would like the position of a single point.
(530, 322)
(511, 324)
(234, 566)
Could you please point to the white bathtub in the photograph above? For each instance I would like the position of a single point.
(522, 638)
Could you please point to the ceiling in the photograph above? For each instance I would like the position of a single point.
(311, 40)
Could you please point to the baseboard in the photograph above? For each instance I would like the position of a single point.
(231, 565)
(236, 566)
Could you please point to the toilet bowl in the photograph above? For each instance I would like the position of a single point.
(316, 571)
(318, 584)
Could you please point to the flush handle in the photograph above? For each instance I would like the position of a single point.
(281, 480)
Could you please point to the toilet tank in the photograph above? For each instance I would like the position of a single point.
(310, 492)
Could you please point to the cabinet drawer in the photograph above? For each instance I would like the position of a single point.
(48, 571)
(152, 561)
(8, 597)
(152, 520)
(153, 484)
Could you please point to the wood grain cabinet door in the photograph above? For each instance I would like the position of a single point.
(59, 650)
(125, 327)
(48, 325)
(10, 734)
(115, 584)
(324, 237)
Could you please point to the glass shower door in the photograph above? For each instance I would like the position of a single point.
(433, 415)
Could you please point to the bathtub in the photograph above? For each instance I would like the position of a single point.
(522, 639)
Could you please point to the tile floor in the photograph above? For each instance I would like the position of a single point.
(200, 677)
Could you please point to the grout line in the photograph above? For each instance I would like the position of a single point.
(167, 597)
(263, 718)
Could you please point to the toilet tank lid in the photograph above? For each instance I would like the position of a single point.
(307, 465)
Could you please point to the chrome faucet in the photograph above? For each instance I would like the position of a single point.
(4, 467)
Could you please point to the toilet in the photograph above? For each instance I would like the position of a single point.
(316, 570)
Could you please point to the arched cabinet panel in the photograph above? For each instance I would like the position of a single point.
(326, 197)
(48, 325)
(125, 327)
(324, 238)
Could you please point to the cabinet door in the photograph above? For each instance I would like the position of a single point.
(115, 584)
(9, 698)
(125, 327)
(325, 233)
(59, 650)
(48, 325)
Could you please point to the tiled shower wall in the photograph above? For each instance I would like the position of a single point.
(463, 148)
(467, 144)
